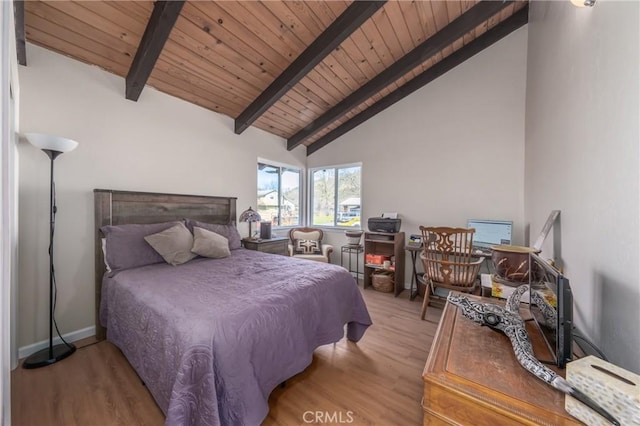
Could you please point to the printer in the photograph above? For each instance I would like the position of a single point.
(383, 224)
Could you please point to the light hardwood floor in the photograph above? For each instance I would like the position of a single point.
(375, 381)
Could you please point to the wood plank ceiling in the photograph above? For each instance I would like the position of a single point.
(222, 55)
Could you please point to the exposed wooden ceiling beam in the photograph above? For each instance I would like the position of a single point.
(456, 29)
(163, 17)
(21, 48)
(349, 21)
(503, 29)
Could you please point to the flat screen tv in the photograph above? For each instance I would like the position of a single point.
(553, 309)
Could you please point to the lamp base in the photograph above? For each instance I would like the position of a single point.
(42, 358)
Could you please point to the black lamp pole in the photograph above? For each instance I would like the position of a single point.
(52, 354)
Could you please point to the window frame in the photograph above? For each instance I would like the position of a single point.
(310, 197)
(301, 185)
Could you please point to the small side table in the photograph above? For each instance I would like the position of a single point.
(350, 250)
(276, 245)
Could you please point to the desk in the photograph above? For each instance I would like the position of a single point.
(413, 250)
(473, 377)
(416, 277)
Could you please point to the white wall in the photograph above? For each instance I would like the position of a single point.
(9, 95)
(158, 144)
(582, 157)
(451, 151)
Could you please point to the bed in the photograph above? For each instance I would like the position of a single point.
(213, 337)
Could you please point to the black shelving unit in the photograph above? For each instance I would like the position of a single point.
(351, 250)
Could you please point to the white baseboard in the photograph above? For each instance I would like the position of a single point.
(74, 336)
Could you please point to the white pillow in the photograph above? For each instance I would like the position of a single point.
(209, 244)
(104, 254)
(173, 244)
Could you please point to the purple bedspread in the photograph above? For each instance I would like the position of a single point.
(212, 338)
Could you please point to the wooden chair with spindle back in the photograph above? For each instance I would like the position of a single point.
(447, 261)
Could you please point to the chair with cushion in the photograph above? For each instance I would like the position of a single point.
(447, 261)
(306, 243)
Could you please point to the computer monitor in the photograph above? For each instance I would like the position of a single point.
(553, 310)
(490, 232)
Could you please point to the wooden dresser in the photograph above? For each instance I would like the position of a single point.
(472, 377)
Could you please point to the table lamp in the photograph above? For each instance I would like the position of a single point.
(250, 216)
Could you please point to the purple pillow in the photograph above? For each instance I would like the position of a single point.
(126, 247)
(228, 231)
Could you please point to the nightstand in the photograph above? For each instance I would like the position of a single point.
(277, 245)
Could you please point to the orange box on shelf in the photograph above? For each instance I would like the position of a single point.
(375, 259)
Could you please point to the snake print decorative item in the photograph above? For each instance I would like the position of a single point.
(508, 321)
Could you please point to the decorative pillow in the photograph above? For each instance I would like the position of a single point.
(307, 247)
(228, 231)
(126, 247)
(209, 244)
(173, 244)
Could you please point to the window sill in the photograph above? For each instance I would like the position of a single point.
(337, 228)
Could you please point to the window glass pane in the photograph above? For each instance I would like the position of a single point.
(348, 208)
(279, 195)
(323, 208)
(290, 201)
(268, 192)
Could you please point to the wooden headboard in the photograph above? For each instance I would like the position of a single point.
(124, 207)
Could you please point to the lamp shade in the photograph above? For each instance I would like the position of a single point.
(583, 3)
(250, 215)
(51, 142)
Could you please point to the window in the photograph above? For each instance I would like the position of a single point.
(335, 196)
(279, 194)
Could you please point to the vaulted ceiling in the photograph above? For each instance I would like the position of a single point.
(308, 71)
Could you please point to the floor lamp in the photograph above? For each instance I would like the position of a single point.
(53, 146)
